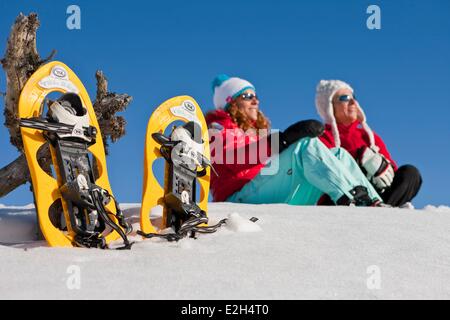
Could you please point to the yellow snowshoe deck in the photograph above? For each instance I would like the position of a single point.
(181, 108)
(56, 77)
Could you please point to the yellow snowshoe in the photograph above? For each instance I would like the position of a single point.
(186, 151)
(77, 207)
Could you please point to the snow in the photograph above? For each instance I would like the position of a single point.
(437, 209)
(29, 206)
(291, 252)
(239, 224)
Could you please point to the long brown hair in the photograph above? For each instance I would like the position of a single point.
(243, 122)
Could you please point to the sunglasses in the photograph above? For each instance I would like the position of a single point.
(249, 96)
(346, 98)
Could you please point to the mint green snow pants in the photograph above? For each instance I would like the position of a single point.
(307, 169)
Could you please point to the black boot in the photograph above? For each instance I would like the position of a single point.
(361, 198)
(404, 188)
(300, 130)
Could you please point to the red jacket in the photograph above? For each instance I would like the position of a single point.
(353, 137)
(233, 155)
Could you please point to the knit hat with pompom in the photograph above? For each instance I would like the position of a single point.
(225, 89)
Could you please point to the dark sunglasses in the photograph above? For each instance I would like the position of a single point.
(249, 96)
(346, 98)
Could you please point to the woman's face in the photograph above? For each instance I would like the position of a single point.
(345, 107)
(248, 103)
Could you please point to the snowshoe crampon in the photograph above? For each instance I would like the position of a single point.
(75, 208)
(187, 155)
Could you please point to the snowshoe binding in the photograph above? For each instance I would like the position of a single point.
(186, 152)
(80, 192)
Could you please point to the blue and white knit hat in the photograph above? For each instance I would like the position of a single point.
(325, 91)
(225, 89)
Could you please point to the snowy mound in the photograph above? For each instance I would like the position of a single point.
(289, 253)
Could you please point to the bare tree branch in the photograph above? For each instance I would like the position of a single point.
(20, 62)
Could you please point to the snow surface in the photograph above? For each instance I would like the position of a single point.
(289, 253)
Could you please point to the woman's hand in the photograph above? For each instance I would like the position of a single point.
(378, 169)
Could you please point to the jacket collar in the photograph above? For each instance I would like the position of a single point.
(345, 128)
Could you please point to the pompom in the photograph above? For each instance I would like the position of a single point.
(218, 80)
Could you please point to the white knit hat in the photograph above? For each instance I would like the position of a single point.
(226, 89)
(325, 91)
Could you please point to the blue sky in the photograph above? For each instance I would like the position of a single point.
(157, 50)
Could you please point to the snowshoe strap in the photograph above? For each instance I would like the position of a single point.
(120, 217)
(169, 236)
(98, 202)
(189, 227)
(93, 241)
(191, 223)
(88, 133)
(210, 229)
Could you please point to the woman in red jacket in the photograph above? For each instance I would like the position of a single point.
(346, 127)
(255, 165)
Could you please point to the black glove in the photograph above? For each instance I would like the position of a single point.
(299, 130)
